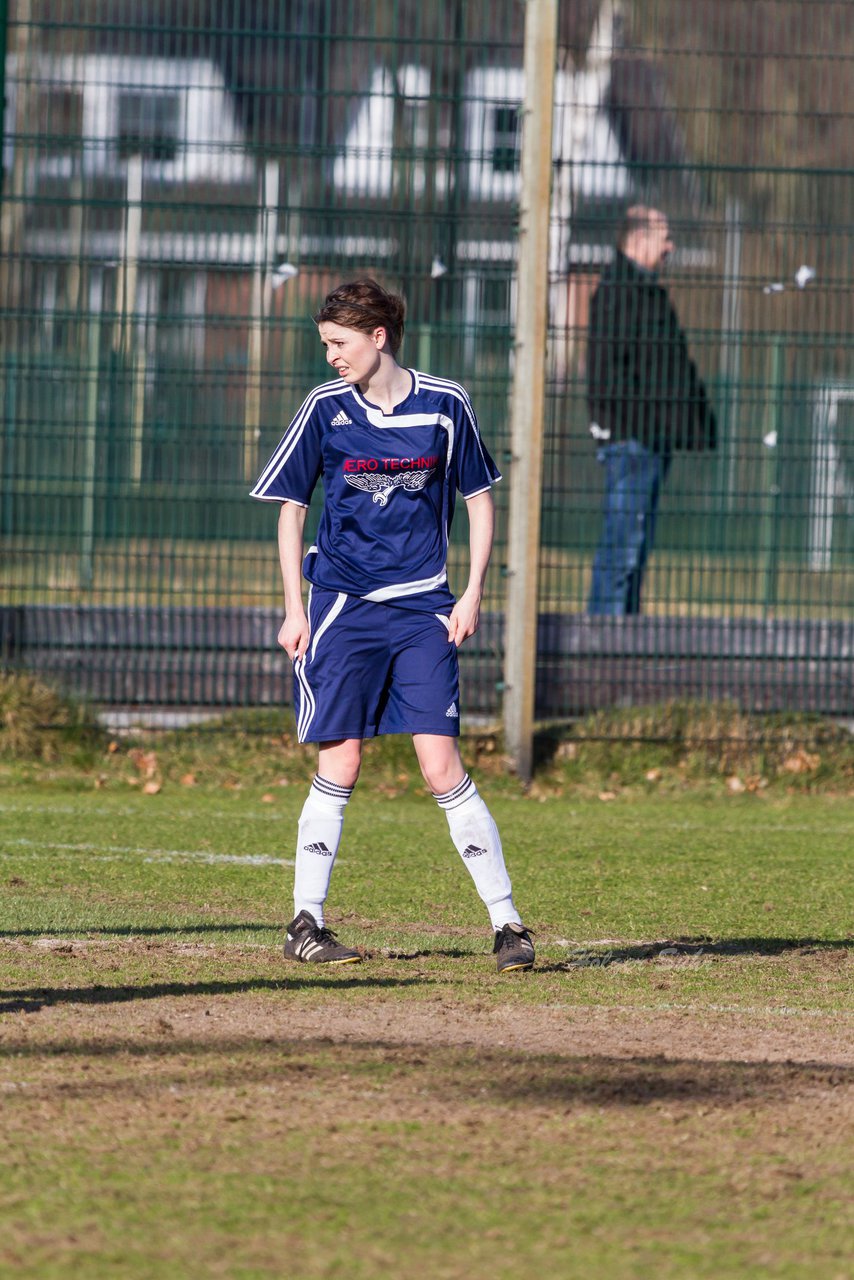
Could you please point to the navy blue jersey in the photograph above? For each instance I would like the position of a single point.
(390, 481)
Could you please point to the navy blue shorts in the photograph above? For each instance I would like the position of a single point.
(371, 668)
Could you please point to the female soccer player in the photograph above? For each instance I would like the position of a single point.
(375, 650)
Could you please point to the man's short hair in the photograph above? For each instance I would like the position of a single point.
(636, 218)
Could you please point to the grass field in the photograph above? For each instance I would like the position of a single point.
(668, 1093)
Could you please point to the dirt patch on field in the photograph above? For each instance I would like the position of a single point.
(76, 1067)
(196, 1016)
(102, 991)
(578, 1031)
(191, 1079)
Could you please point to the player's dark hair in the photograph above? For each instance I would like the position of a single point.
(365, 305)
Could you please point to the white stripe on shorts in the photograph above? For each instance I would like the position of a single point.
(308, 703)
(329, 619)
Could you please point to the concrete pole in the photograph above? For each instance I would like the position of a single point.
(528, 394)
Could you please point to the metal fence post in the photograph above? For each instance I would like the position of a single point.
(731, 344)
(4, 42)
(8, 442)
(769, 537)
(528, 394)
(90, 436)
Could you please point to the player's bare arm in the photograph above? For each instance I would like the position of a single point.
(294, 631)
(465, 617)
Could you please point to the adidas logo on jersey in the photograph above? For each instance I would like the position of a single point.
(472, 851)
(320, 849)
(341, 420)
(452, 713)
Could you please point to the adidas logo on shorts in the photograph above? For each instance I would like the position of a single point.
(341, 420)
(472, 851)
(320, 848)
(452, 713)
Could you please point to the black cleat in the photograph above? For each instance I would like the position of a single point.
(312, 943)
(514, 948)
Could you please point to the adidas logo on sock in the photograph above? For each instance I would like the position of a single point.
(452, 713)
(341, 420)
(320, 848)
(472, 851)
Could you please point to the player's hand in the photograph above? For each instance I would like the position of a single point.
(465, 617)
(294, 635)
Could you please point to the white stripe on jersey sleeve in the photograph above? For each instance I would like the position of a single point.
(431, 383)
(291, 438)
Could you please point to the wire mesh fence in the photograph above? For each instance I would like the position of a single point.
(182, 184)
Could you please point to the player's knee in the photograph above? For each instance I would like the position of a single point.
(443, 776)
(347, 777)
(348, 774)
(341, 763)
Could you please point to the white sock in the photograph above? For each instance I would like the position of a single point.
(318, 837)
(478, 843)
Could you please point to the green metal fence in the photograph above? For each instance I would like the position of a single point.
(181, 186)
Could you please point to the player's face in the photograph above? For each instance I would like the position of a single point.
(657, 242)
(354, 355)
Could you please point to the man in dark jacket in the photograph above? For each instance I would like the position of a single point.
(646, 400)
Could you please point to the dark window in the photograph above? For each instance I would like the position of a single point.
(60, 114)
(495, 300)
(844, 433)
(505, 147)
(149, 125)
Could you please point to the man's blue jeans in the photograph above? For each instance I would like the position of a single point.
(633, 479)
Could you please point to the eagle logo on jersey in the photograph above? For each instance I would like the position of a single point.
(383, 485)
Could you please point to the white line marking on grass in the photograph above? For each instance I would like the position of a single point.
(159, 855)
(240, 859)
(126, 812)
(262, 815)
(43, 809)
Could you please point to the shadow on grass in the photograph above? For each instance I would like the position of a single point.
(139, 930)
(603, 1081)
(32, 999)
(684, 949)
(84, 934)
(454, 1076)
(688, 951)
(766, 946)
